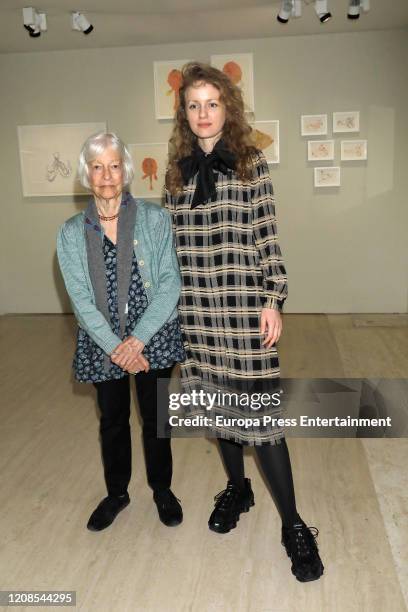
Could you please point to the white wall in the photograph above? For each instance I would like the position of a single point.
(346, 249)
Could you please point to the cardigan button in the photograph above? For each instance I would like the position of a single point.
(141, 262)
(135, 242)
(147, 284)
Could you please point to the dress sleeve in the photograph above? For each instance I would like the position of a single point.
(275, 288)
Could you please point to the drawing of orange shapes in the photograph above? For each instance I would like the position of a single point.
(149, 167)
(233, 71)
(260, 139)
(174, 79)
(321, 151)
(316, 124)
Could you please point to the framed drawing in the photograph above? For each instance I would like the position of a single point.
(346, 122)
(167, 81)
(265, 136)
(313, 125)
(150, 162)
(327, 177)
(240, 69)
(320, 149)
(353, 150)
(49, 156)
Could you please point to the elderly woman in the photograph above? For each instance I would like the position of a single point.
(122, 276)
(233, 289)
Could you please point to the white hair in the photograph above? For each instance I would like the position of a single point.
(97, 144)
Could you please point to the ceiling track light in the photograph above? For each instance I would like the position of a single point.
(286, 11)
(293, 8)
(322, 10)
(354, 9)
(355, 6)
(81, 23)
(34, 22)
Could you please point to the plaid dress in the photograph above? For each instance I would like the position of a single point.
(231, 267)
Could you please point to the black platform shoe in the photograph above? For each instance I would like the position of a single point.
(106, 512)
(228, 506)
(300, 544)
(168, 507)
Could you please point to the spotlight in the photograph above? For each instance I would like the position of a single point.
(34, 22)
(80, 23)
(354, 9)
(286, 11)
(355, 6)
(322, 10)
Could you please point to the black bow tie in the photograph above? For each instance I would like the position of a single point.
(219, 160)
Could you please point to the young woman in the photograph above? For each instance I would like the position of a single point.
(220, 195)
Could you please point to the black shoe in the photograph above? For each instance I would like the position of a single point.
(228, 506)
(106, 512)
(169, 508)
(301, 547)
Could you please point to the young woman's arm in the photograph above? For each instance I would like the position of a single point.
(275, 288)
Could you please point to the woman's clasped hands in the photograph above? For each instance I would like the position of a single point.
(128, 356)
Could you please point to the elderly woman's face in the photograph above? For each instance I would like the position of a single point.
(205, 111)
(106, 174)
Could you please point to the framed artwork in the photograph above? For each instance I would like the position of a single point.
(167, 81)
(240, 69)
(150, 162)
(320, 149)
(327, 177)
(49, 156)
(346, 122)
(353, 150)
(265, 136)
(313, 125)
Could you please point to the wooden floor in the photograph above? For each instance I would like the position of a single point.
(355, 491)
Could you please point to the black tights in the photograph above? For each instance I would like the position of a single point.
(275, 464)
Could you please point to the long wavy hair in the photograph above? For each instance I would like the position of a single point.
(236, 131)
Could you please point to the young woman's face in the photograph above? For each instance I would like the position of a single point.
(205, 112)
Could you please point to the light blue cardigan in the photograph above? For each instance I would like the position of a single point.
(158, 267)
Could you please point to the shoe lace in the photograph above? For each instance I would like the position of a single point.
(303, 540)
(224, 499)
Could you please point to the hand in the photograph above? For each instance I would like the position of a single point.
(127, 356)
(129, 344)
(271, 325)
(132, 363)
(138, 364)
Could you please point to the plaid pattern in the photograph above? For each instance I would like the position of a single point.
(231, 266)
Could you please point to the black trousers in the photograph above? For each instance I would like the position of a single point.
(114, 403)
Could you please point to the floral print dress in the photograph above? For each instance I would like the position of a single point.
(164, 349)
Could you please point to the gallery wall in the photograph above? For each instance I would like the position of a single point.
(346, 248)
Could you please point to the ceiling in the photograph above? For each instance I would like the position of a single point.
(148, 22)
